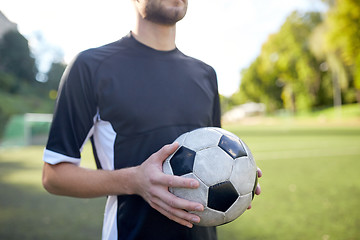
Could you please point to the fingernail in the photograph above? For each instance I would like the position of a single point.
(198, 209)
(193, 184)
(195, 219)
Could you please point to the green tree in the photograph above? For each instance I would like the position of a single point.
(15, 57)
(8, 82)
(334, 80)
(286, 73)
(313, 61)
(19, 92)
(53, 78)
(343, 38)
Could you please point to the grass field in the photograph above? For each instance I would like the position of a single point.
(310, 189)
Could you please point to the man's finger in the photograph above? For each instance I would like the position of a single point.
(180, 203)
(171, 216)
(259, 172)
(178, 182)
(177, 208)
(258, 189)
(166, 151)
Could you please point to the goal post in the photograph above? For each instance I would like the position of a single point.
(27, 129)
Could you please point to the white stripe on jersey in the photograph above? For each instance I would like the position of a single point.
(104, 140)
(109, 231)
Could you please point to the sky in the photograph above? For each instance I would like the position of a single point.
(226, 34)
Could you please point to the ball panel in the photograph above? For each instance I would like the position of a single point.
(225, 132)
(199, 194)
(213, 165)
(232, 146)
(238, 208)
(182, 161)
(167, 168)
(181, 138)
(202, 138)
(222, 196)
(211, 155)
(249, 154)
(244, 175)
(210, 217)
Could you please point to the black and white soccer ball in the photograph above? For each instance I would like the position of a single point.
(225, 169)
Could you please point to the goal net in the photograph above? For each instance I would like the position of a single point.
(27, 129)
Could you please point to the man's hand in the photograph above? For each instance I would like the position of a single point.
(153, 185)
(258, 188)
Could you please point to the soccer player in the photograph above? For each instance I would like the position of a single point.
(131, 98)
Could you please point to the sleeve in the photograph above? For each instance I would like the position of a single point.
(74, 114)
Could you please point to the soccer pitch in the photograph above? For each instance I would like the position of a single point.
(310, 187)
(310, 190)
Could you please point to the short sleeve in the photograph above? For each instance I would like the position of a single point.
(74, 114)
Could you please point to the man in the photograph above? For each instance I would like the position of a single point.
(132, 98)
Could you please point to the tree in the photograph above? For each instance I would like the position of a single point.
(8, 82)
(286, 73)
(335, 75)
(19, 92)
(53, 78)
(313, 61)
(343, 37)
(16, 57)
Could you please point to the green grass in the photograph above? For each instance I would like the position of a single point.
(310, 189)
(29, 212)
(345, 112)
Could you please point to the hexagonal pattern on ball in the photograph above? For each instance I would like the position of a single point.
(202, 138)
(208, 167)
(199, 194)
(238, 208)
(244, 172)
(249, 154)
(167, 167)
(225, 132)
(232, 146)
(181, 138)
(210, 217)
(182, 161)
(222, 196)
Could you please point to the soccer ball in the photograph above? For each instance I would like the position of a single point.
(225, 169)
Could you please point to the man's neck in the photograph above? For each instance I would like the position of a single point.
(159, 37)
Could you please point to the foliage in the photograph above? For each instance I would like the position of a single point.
(286, 73)
(8, 82)
(312, 61)
(343, 37)
(16, 58)
(53, 78)
(345, 18)
(20, 92)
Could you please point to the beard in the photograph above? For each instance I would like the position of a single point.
(157, 13)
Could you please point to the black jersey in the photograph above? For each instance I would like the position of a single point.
(130, 100)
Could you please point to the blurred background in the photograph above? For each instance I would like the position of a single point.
(289, 79)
